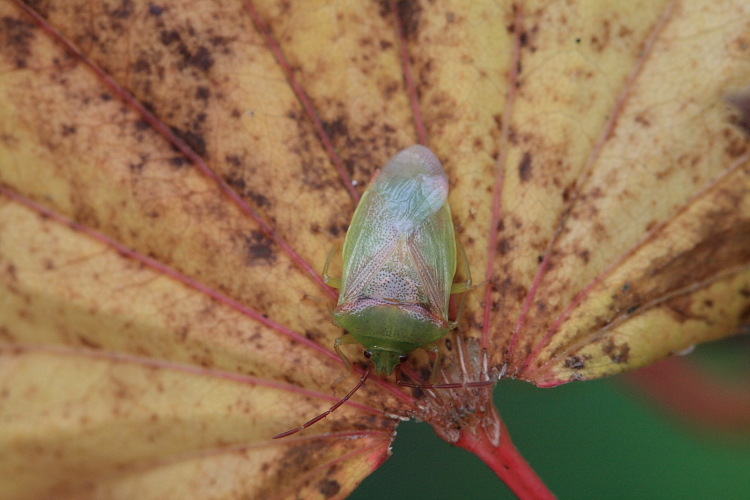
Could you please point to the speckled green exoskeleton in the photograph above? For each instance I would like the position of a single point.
(399, 261)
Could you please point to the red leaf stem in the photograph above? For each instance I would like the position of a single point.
(507, 463)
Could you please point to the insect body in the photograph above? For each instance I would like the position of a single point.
(399, 261)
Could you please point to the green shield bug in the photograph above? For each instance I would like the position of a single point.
(399, 261)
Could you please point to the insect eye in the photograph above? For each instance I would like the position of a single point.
(402, 358)
(368, 354)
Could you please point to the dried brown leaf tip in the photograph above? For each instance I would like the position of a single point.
(740, 101)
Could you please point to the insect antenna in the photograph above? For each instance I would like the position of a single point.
(455, 385)
(326, 413)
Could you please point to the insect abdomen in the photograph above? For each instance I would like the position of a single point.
(398, 326)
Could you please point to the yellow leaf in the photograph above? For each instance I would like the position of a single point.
(168, 199)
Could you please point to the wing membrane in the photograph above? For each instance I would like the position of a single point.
(383, 260)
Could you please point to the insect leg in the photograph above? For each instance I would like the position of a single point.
(467, 383)
(457, 385)
(460, 312)
(330, 313)
(433, 347)
(432, 385)
(462, 287)
(466, 285)
(345, 339)
(333, 282)
(325, 413)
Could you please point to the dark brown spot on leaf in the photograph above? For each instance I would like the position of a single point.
(642, 120)
(741, 102)
(169, 37)
(329, 488)
(236, 182)
(193, 140)
(721, 248)
(141, 65)
(202, 59)
(233, 160)
(15, 39)
(744, 317)
(524, 168)
(122, 11)
(410, 12)
(335, 128)
(504, 246)
(88, 343)
(600, 41)
(202, 93)
(585, 255)
(681, 308)
(10, 271)
(178, 161)
(617, 353)
(574, 362)
(260, 200)
(259, 247)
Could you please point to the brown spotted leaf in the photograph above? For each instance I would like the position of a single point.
(169, 194)
(625, 217)
(154, 334)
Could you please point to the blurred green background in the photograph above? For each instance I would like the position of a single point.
(587, 440)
